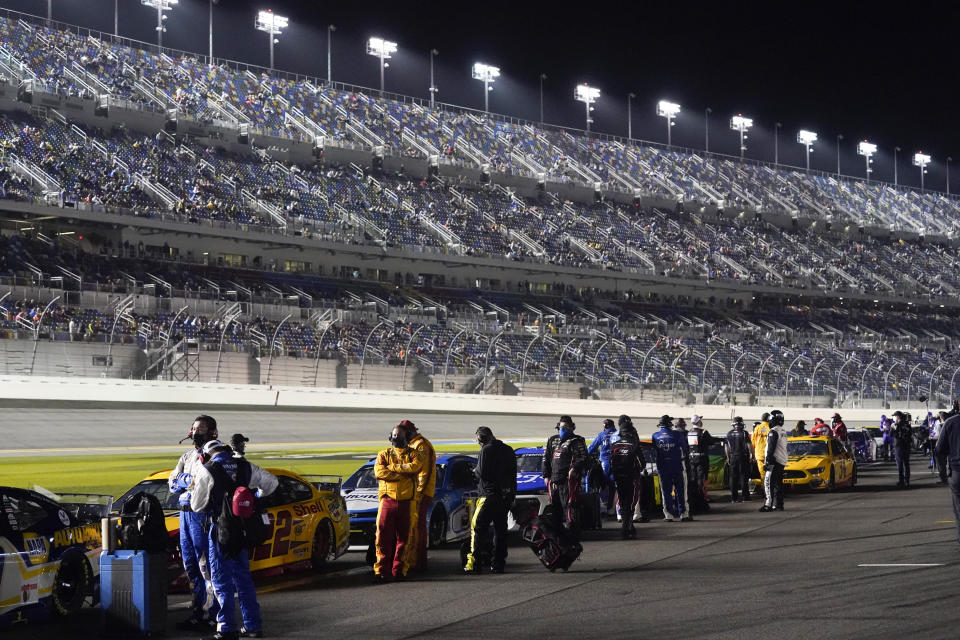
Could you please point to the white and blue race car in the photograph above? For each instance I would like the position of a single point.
(49, 553)
(449, 518)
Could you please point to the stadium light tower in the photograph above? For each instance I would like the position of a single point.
(433, 87)
(272, 25)
(330, 29)
(668, 110)
(867, 149)
(921, 159)
(807, 138)
(160, 6)
(587, 95)
(380, 48)
(486, 74)
(741, 124)
(630, 97)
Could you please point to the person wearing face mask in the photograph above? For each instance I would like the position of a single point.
(902, 441)
(193, 537)
(565, 457)
(602, 445)
(426, 484)
(497, 471)
(737, 448)
(672, 453)
(396, 469)
(627, 465)
(775, 461)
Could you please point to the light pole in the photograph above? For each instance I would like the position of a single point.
(160, 6)
(807, 138)
(630, 97)
(380, 48)
(669, 111)
(706, 128)
(330, 29)
(210, 25)
(116, 21)
(543, 77)
(487, 74)
(949, 160)
(921, 159)
(273, 25)
(587, 95)
(433, 87)
(776, 143)
(839, 139)
(867, 149)
(896, 150)
(740, 124)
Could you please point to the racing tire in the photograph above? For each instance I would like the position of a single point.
(72, 584)
(831, 483)
(437, 528)
(323, 544)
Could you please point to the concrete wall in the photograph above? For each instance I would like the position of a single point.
(69, 359)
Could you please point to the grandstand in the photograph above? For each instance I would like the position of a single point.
(163, 217)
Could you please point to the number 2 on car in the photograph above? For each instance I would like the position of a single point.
(278, 544)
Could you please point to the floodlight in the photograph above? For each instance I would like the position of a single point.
(867, 149)
(271, 23)
(587, 95)
(487, 74)
(380, 48)
(806, 138)
(668, 110)
(165, 5)
(160, 6)
(740, 124)
(920, 159)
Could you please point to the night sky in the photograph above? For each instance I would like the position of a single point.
(857, 69)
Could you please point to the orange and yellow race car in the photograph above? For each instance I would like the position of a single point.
(308, 518)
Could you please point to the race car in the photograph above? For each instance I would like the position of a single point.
(308, 521)
(532, 489)
(819, 462)
(863, 445)
(449, 517)
(49, 553)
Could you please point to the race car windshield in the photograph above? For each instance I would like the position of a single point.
(806, 448)
(530, 463)
(156, 488)
(856, 436)
(363, 479)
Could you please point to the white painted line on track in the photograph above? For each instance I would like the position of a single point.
(906, 564)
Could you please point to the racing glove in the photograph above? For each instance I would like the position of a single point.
(181, 482)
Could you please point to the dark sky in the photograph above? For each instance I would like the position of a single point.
(858, 69)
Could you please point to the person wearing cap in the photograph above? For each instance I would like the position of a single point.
(238, 442)
(397, 470)
(193, 536)
(672, 452)
(627, 465)
(602, 445)
(497, 472)
(700, 442)
(902, 441)
(564, 460)
(800, 430)
(737, 448)
(229, 571)
(416, 557)
(759, 442)
(775, 460)
(839, 430)
(820, 428)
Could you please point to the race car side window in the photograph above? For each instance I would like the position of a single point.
(289, 490)
(28, 512)
(462, 476)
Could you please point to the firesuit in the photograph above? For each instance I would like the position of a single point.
(776, 460)
(397, 468)
(759, 441)
(672, 453)
(603, 445)
(564, 460)
(737, 447)
(193, 539)
(230, 574)
(497, 473)
(426, 485)
(627, 465)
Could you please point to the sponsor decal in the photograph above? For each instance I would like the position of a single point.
(307, 509)
(77, 535)
(36, 548)
(64, 518)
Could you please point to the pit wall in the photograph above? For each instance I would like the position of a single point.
(197, 394)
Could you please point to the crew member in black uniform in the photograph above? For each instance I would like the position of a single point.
(564, 460)
(626, 462)
(738, 450)
(497, 470)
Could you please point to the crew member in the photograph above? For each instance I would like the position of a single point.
(737, 448)
(238, 442)
(416, 558)
(886, 428)
(840, 430)
(193, 537)
(902, 441)
(672, 451)
(397, 469)
(800, 430)
(627, 467)
(565, 458)
(759, 442)
(775, 461)
(939, 457)
(497, 471)
(700, 442)
(820, 428)
(948, 446)
(602, 445)
(229, 570)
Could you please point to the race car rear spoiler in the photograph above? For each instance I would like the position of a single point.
(87, 508)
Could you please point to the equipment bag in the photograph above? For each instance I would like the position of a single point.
(551, 545)
(142, 526)
(241, 524)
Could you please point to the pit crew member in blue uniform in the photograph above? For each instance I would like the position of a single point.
(603, 446)
(672, 454)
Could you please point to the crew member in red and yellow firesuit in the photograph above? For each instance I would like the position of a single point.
(396, 469)
(416, 559)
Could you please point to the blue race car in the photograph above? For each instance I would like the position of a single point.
(448, 520)
(532, 490)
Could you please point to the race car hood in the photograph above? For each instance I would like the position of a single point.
(807, 462)
(529, 482)
(362, 501)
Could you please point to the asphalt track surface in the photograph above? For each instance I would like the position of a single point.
(733, 573)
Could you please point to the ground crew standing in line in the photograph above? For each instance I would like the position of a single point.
(230, 565)
(426, 485)
(775, 461)
(948, 446)
(902, 441)
(193, 535)
(672, 451)
(627, 466)
(564, 460)
(759, 442)
(602, 446)
(699, 464)
(497, 471)
(396, 469)
(737, 448)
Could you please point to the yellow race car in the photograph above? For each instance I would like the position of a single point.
(819, 462)
(308, 519)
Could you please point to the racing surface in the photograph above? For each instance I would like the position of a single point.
(733, 573)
